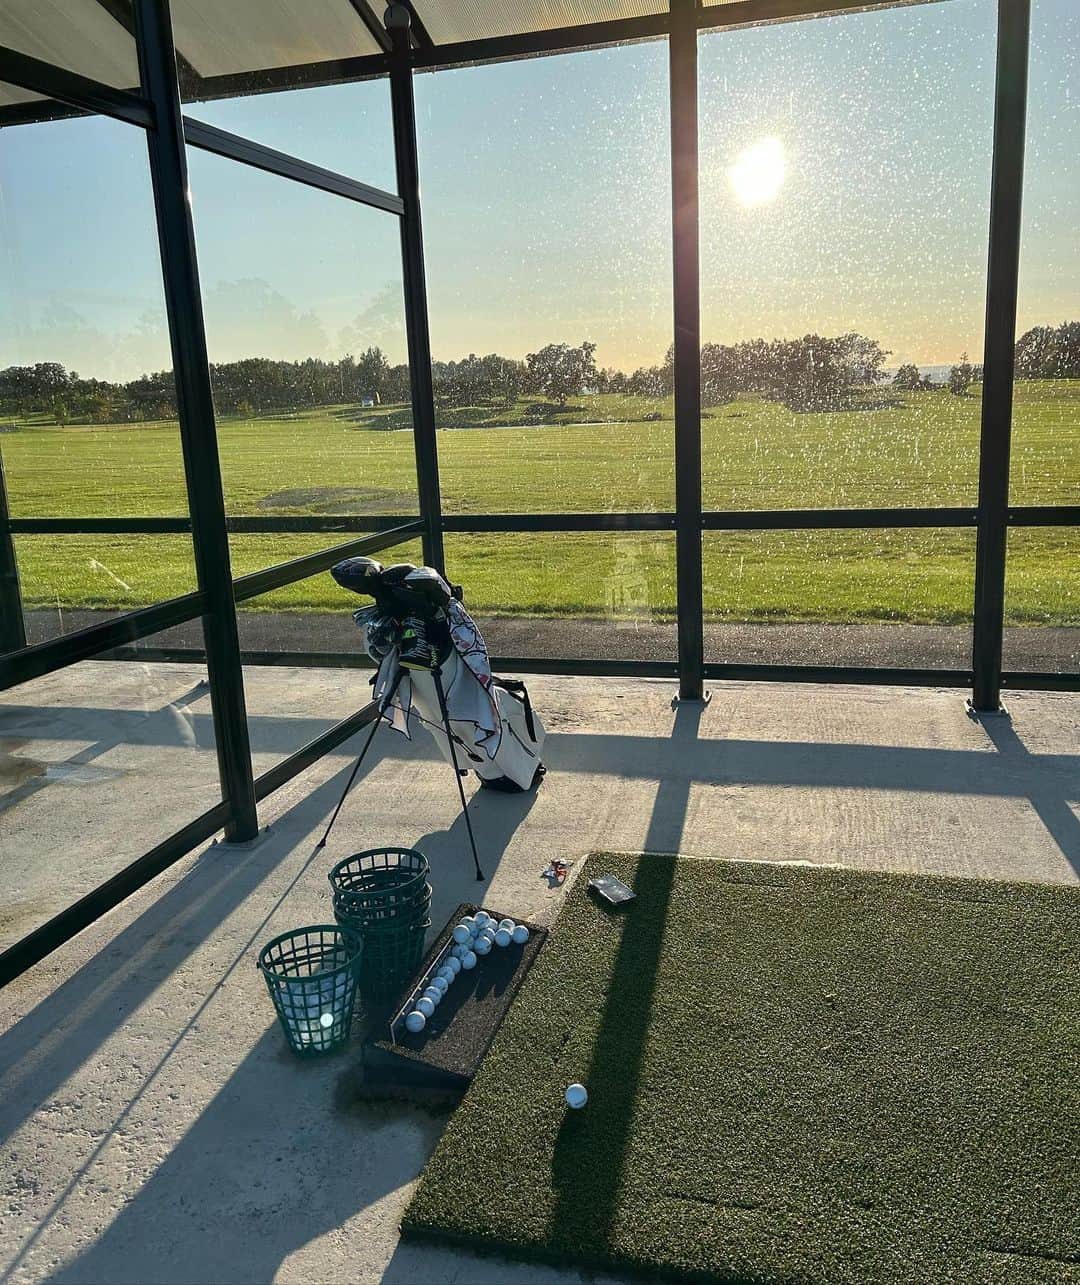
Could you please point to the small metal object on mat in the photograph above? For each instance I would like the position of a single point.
(612, 889)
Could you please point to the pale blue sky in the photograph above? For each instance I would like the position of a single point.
(546, 204)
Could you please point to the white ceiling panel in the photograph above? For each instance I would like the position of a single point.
(450, 20)
(221, 37)
(77, 35)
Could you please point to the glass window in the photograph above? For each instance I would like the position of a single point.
(70, 582)
(83, 750)
(1042, 600)
(88, 423)
(87, 399)
(845, 173)
(1046, 415)
(595, 596)
(901, 598)
(547, 227)
(310, 615)
(345, 128)
(287, 705)
(305, 323)
(79, 35)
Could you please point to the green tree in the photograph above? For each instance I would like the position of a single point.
(908, 378)
(560, 372)
(961, 377)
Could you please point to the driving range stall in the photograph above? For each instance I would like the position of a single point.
(539, 640)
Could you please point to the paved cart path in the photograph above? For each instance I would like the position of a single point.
(1040, 649)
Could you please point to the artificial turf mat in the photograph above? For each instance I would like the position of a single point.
(795, 1075)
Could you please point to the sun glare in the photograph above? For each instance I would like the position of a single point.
(758, 173)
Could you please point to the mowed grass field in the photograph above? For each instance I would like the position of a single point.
(598, 454)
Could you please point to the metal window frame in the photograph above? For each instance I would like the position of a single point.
(155, 108)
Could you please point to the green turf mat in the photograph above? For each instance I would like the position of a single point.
(795, 1075)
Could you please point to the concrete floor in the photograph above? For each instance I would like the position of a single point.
(153, 1126)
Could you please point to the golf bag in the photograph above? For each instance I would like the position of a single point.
(417, 623)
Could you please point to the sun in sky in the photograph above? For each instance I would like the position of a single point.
(758, 173)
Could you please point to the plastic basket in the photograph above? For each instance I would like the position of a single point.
(392, 953)
(397, 915)
(312, 975)
(378, 879)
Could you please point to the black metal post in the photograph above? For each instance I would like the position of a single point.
(682, 51)
(398, 21)
(1014, 19)
(12, 628)
(198, 431)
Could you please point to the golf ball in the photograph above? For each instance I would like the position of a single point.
(470, 922)
(576, 1096)
(440, 984)
(468, 960)
(482, 919)
(458, 952)
(503, 937)
(520, 935)
(461, 933)
(415, 1021)
(326, 1021)
(508, 924)
(446, 971)
(434, 994)
(483, 945)
(454, 965)
(425, 1006)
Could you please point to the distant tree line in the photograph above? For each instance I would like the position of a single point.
(815, 372)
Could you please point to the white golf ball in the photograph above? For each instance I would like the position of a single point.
(470, 922)
(503, 938)
(461, 933)
(415, 1021)
(468, 960)
(576, 1096)
(454, 965)
(458, 952)
(520, 935)
(483, 946)
(446, 972)
(434, 994)
(425, 1006)
(508, 924)
(440, 984)
(326, 1021)
(482, 919)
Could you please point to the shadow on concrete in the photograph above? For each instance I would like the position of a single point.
(257, 1122)
(47, 1046)
(1048, 794)
(258, 1176)
(495, 820)
(588, 1198)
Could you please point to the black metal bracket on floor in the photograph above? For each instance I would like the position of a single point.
(242, 845)
(704, 699)
(979, 714)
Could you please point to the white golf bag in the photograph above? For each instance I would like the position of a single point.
(497, 732)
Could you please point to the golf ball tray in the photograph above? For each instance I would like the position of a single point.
(474, 937)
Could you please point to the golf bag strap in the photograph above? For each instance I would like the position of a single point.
(517, 689)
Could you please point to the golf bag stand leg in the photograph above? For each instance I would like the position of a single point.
(436, 675)
(384, 705)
